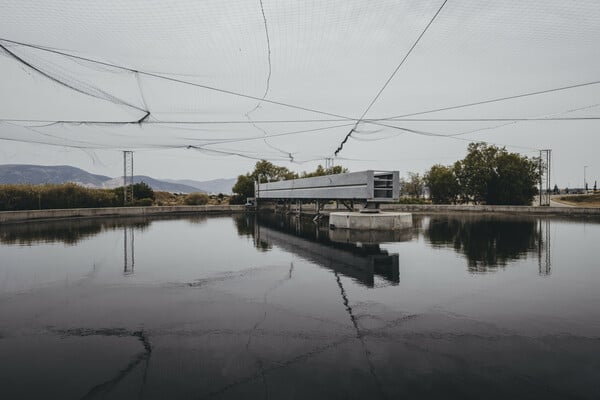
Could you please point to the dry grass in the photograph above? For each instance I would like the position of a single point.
(581, 200)
(172, 199)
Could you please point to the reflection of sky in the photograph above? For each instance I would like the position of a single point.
(179, 253)
(206, 311)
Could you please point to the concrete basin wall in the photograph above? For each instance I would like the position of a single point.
(32, 215)
(379, 221)
(442, 208)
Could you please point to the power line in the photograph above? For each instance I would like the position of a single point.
(401, 63)
(517, 96)
(180, 81)
(234, 140)
(496, 119)
(185, 122)
(389, 79)
(338, 117)
(456, 137)
(245, 122)
(58, 81)
(143, 119)
(514, 122)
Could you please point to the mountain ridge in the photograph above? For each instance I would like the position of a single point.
(58, 174)
(220, 185)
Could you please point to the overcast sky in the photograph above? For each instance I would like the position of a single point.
(328, 56)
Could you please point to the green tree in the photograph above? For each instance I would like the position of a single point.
(142, 191)
(320, 171)
(475, 172)
(443, 185)
(243, 188)
(413, 186)
(492, 175)
(514, 180)
(265, 171)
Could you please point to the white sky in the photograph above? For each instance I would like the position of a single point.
(330, 56)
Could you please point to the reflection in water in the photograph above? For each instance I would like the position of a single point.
(311, 241)
(69, 232)
(544, 255)
(250, 325)
(128, 250)
(489, 242)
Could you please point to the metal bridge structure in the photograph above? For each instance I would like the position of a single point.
(369, 187)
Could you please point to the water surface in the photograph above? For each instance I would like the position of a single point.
(463, 306)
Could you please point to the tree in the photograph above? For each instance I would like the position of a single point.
(492, 175)
(514, 180)
(265, 171)
(243, 188)
(142, 191)
(475, 172)
(412, 187)
(320, 171)
(442, 183)
(556, 190)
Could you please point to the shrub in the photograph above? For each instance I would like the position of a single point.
(142, 191)
(412, 200)
(144, 202)
(196, 199)
(69, 195)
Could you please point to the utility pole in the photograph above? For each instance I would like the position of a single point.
(541, 174)
(584, 177)
(545, 176)
(127, 177)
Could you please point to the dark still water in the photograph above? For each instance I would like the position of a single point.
(458, 307)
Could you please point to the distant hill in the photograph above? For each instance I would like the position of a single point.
(153, 183)
(41, 174)
(213, 186)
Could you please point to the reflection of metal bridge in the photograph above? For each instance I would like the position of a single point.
(372, 187)
(362, 263)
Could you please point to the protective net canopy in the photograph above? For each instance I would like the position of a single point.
(299, 81)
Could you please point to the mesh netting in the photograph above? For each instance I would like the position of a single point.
(299, 81)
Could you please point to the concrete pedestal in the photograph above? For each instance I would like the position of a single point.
(365, 221)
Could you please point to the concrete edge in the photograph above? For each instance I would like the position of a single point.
(532, 210)
(37, 215)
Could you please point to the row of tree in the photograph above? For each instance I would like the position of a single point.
(488, 174)
(265, 171)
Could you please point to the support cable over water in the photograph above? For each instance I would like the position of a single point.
(341, 146)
